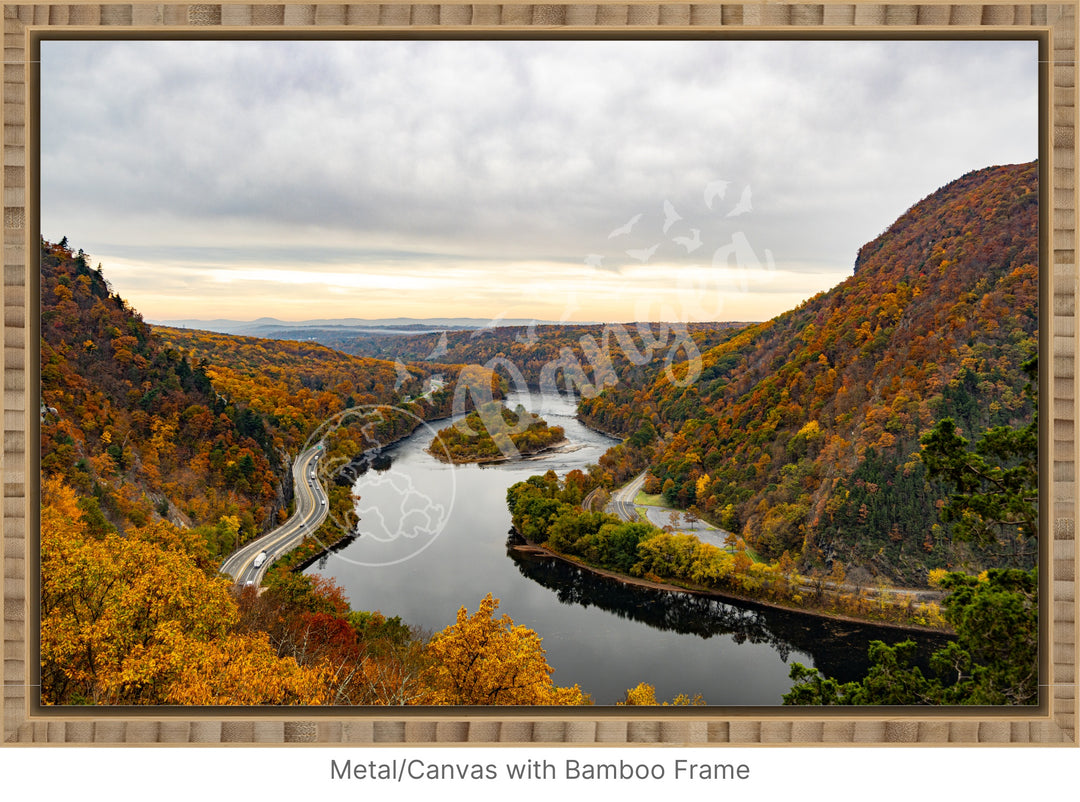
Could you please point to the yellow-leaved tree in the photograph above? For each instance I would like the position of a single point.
(644, 694)
(134, 620)
(483, 661)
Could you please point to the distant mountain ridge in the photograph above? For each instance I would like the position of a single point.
(265, 326)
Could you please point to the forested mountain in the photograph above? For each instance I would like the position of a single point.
(193, 427)
(160, 451)
(131, 423)
(803, 433)
(294, 385)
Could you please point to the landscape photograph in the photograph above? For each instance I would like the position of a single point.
(517, 372)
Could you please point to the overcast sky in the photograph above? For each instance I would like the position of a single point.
(487, 179)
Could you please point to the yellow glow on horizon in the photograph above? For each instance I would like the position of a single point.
(522, 290)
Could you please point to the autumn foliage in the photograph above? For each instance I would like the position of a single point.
(163, 449)
(481, 660)
(643, 694)
(491, 433)
(547, 511)
(803, 433)
(134, 425)
(134, 620)
(580, 357)
(294, 386)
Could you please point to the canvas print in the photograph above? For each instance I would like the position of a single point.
(539, 372)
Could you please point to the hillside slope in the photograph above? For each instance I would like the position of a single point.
(131, 423)
(802, 433)
(295, 385)
(547, 355)
(193, 427)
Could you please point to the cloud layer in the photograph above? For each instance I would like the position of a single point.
(483, 170)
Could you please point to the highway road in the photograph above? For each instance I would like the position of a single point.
(622, 500)
(311, 510)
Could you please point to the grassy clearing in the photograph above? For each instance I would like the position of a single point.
(646, 500)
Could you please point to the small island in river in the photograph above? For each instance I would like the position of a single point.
(494, 433)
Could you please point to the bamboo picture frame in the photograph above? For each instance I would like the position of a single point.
(1052, 722)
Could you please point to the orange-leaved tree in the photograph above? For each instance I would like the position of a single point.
(133, 620)
(480, 660)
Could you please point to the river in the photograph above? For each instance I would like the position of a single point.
(436, 537)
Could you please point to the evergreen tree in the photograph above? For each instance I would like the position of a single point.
(995, 483)
(993, 660)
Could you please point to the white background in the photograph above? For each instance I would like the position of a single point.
(806, 774)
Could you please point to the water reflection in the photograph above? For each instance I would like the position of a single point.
(838, 648)
(597, 632)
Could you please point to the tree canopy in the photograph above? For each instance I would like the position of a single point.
(995, 483)
(994, 659)
(134, 620)
(481, 660)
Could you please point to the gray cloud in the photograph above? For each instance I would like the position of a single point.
(513, 150)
